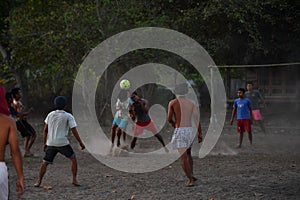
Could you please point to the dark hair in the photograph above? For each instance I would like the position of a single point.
(242, 90)
(8, 96)
(15, 91)
(134, 93)
(250, 82)
(60, 102)
(181, 89)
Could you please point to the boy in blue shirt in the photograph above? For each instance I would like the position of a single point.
(242, 107)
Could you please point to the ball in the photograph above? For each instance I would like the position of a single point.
(125, 84)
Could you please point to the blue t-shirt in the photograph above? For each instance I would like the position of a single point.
(243, 107)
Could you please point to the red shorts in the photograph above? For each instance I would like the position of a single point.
(256, 115)
(243, 124)
(141, 126)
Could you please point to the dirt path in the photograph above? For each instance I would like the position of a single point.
(270, 169)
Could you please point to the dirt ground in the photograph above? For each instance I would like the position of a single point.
(269, 169)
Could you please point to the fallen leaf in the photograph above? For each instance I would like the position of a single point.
(47, 187)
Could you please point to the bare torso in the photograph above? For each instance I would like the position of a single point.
(5, 124)
(182, 109)
(18, 106)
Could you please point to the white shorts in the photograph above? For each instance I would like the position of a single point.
(3, 181)
(183, 137)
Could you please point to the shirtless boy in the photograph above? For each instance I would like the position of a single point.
(183, 110)
(8, 135)
(26, 130)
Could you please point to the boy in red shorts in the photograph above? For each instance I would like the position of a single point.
(242, 107)
(138, 111)
(255, 97)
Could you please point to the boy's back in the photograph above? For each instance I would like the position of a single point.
(183, 110)
(59, 123)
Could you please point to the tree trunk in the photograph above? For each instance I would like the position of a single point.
(17, 74)
(21, 83)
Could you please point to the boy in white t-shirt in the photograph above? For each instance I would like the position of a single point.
(57, 125)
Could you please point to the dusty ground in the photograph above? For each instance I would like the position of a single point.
(270, 169)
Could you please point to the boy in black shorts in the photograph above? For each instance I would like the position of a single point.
(55, 139)
(26, 130)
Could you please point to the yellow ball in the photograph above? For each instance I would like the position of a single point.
(125, 84)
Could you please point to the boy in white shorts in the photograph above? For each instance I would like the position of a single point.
(183, 110)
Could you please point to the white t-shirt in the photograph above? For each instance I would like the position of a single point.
(59, 123)
(122, 108)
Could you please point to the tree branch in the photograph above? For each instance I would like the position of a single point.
(4, 53)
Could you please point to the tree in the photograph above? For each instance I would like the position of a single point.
(44, 42)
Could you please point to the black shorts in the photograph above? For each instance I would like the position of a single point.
(51, 152)
(25, 128)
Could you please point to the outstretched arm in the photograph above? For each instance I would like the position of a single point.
(17, 158)
(76, 135)
(24, 114)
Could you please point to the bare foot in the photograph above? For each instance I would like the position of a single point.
(75, 183)
(47, 187)
(190, 184)
(37, 184)
(125, 147)
(28, 154)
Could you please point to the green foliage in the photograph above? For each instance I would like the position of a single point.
(244, 32)
(47, 40)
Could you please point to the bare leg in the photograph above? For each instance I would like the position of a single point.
(113, 134)
(119, 133)
(250, 137)
(74, 171)
(133, 142)
(26, 144)
(41, 174)
(187, 168)
(124, 135)
(160, 139)
(262, 126)
(31, 141)
(190, 160)
(241, 140)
